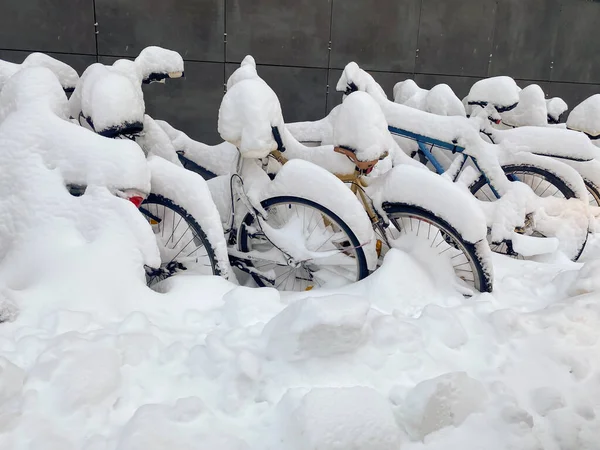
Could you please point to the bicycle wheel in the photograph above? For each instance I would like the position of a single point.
(542, 182)
(182, 243)
(308, 246)
(434, 240)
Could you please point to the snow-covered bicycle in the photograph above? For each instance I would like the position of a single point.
(109, 101)
(440, 225)
(517, 216)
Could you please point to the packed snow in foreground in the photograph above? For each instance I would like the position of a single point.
(95, 360)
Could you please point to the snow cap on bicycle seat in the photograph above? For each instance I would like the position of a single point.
(361, 126)
(501, 92)
(249, 113)
(555, 106)
(155, 60)
(108, 99)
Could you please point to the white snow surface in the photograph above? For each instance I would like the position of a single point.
(586, 116)
(547, 141)
(386, 363)
(67, 76)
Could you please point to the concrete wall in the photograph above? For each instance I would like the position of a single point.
(301, 45)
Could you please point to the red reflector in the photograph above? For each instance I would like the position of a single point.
(498, 121)
(136, 200)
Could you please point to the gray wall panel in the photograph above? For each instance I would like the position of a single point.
(524, 37)
(194, 28)
(385, 41)
(190, 104)
(578, 43)
(275, 32)
(460, 85)
(48, 25)
(455, 36)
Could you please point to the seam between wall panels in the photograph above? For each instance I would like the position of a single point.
(414, 71)
(96, 30)
(224, 46)
(329, 57)
(492, 40)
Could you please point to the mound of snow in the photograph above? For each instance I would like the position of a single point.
(587, 280)
(440, 402)
(556, 106)
(317, 327)
(343, 418)
(247, 70)
(440, 99)
(108, 98)
(155, 60)
(248, 113)
(404, 90)
(12, 379)
(586, 116)
(531, 110)
(498, 91)
(67, 76)
(361, 126)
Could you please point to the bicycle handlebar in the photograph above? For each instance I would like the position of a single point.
(157, 77)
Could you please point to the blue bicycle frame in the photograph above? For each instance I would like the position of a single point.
(424, 141)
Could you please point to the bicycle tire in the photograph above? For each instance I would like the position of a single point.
(482, 276)
(511, 169)
(198, 235)
(244, 243)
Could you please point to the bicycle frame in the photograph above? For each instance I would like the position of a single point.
(357, 183)
(424, 141)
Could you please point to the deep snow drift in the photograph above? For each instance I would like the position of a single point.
(391, 362)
